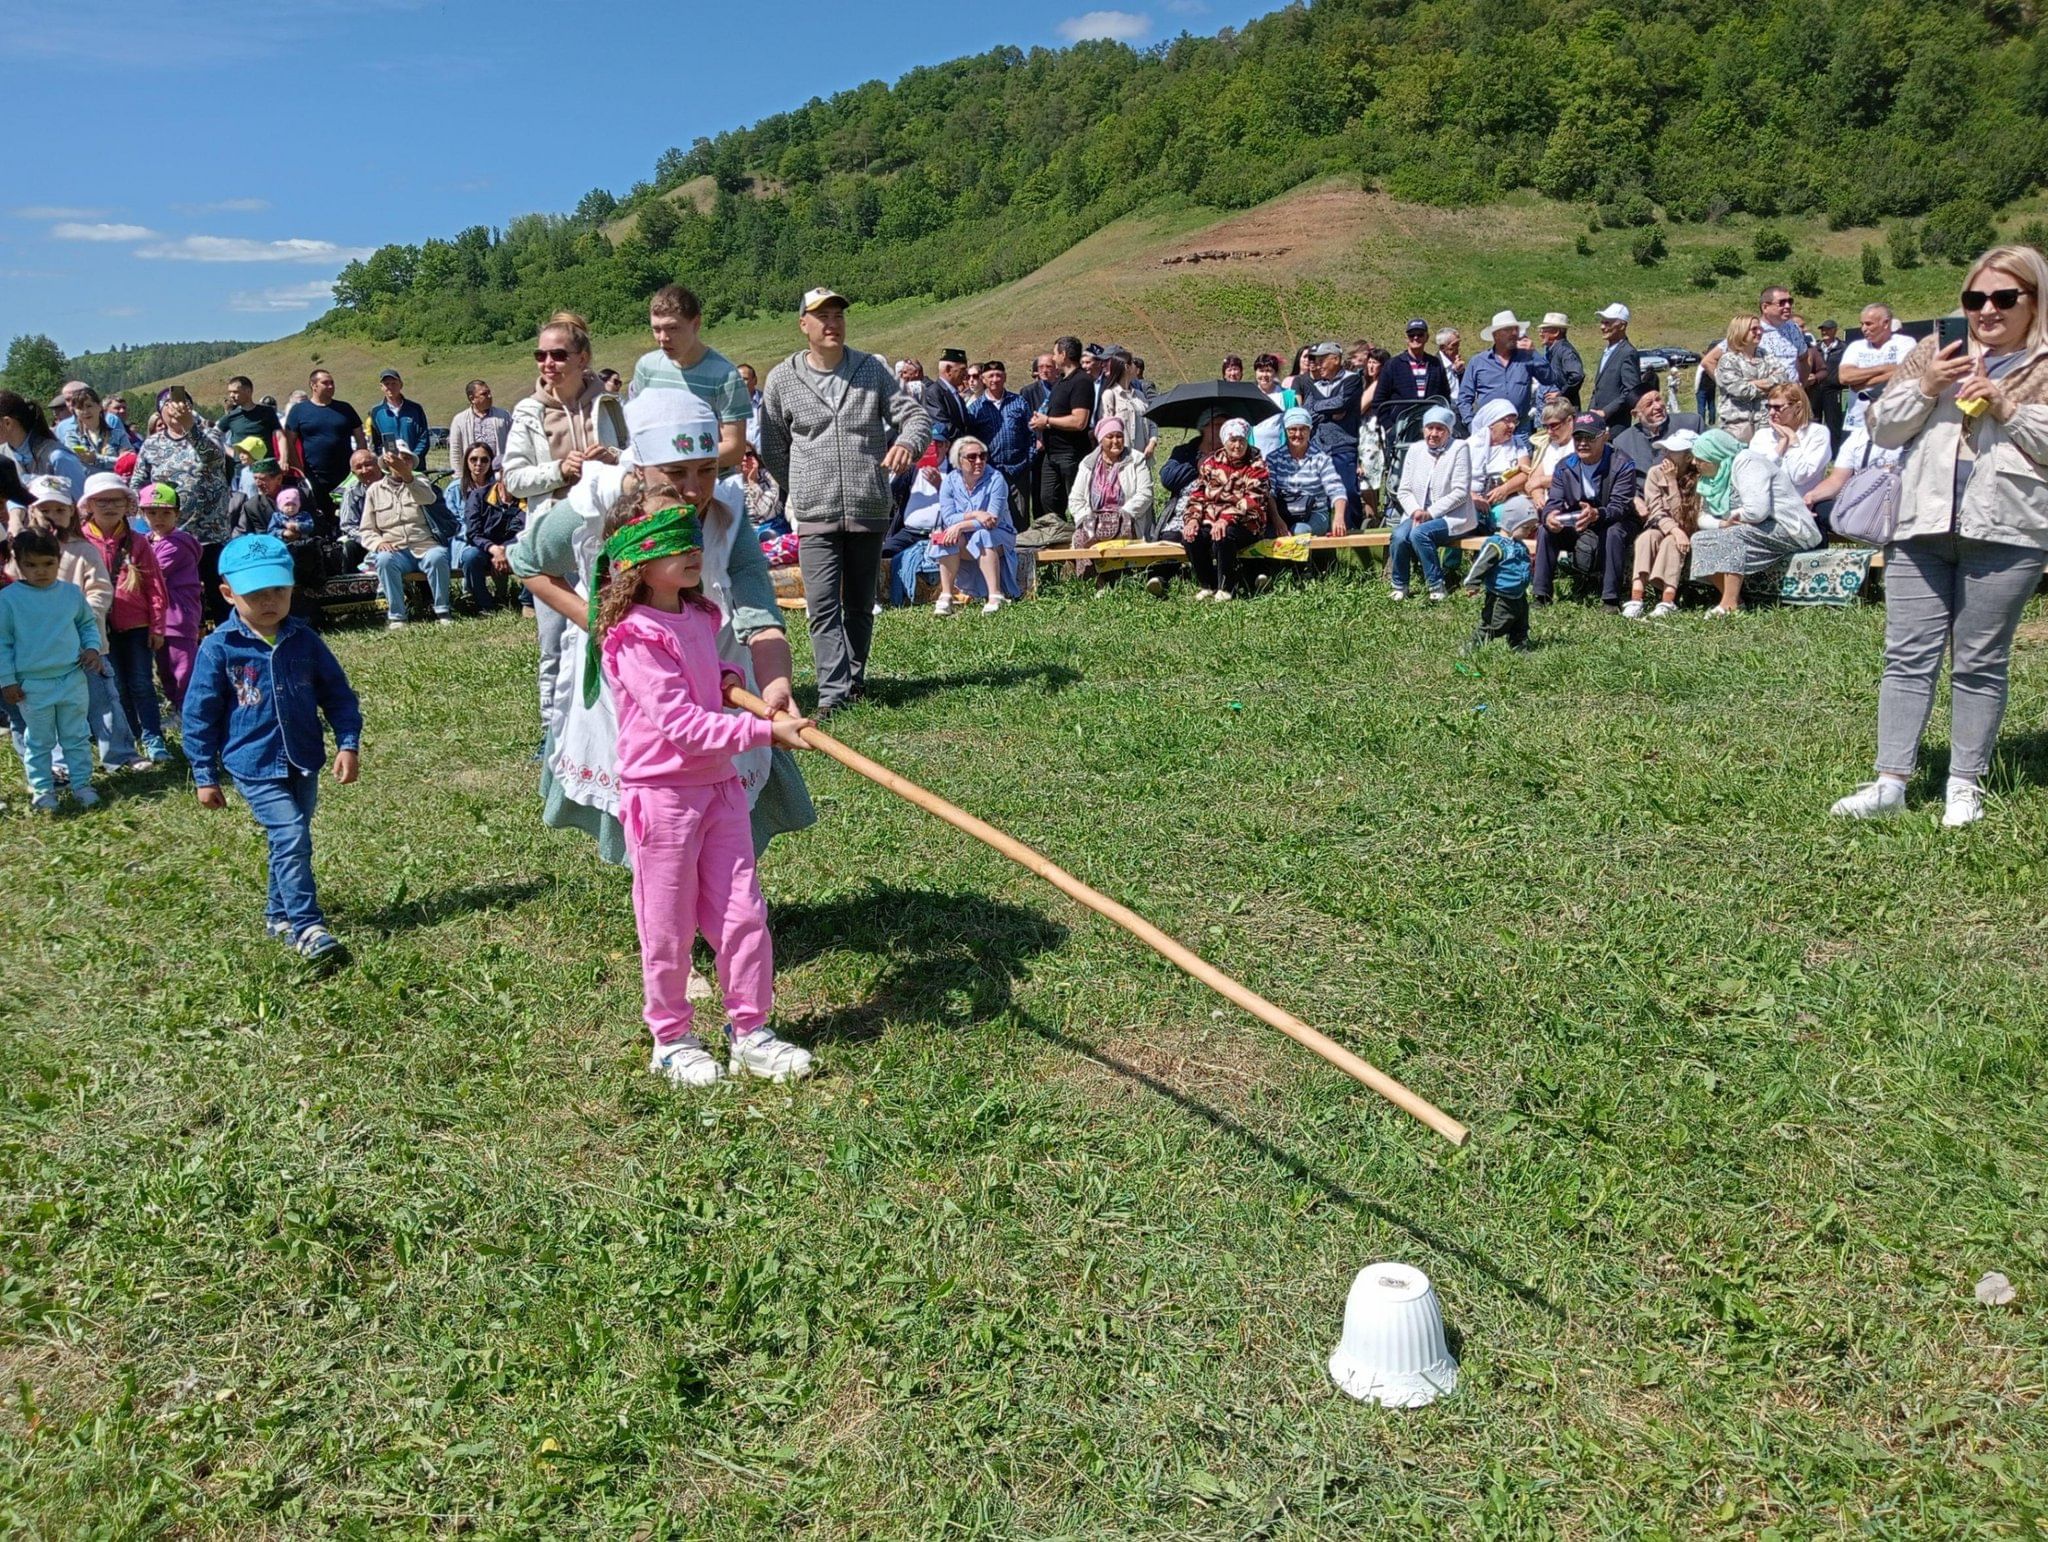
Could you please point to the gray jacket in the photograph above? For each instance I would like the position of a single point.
(829, 462)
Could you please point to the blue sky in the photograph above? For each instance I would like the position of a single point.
(197, 169)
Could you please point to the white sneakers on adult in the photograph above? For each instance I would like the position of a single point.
(943, 605)
(1873, 800)
(761, 1054)
(1397, 594)
(1223, 596)
(995, 603)
(1633, 610)
(1438, 596)
(1205, 594)
(1965, 803)
(686, 1063)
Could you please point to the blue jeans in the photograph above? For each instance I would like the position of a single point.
(1317, 522)
(392, 566)
(1418, 540)
(134, 663)
(1345, 463)
(109, 722)
(283, 806)
(478, 576)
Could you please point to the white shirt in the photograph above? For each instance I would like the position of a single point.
(1440, 487)
(1860, 355)
(1806, 463)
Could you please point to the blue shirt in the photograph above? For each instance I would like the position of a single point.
(1006, 430)
(42, 631)
(1488, 376)
(991, 495)
(51, 459)
(254, 708)
(1511, 574)
(408, 423)
(1305, 487)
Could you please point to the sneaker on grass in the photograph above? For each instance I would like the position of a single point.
(1633, 610)
(1965, 803)
(761, 1054)
(1873, 800)
(317, 945)
(686, 1063)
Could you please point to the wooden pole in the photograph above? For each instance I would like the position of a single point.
(1340, 1057)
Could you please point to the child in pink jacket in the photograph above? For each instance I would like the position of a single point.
(177, 557)
(135, 625)
(684, 811)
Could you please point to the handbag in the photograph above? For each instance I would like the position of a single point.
(1867, 508)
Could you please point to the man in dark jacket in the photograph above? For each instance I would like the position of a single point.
(1619, 379)
(1332, 395)
(1566, 369)
(1411, 376)
(1827, 386)
(1590, 517)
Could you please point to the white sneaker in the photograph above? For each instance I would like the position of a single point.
(442, 618)
(1438, 596)
(1223, 596)
(943, 606)
(1965, 803)
(394, 626)
(761, 1054)
(1205, 594)
(686, 1063)
(1873, 800)
(1633, 610)
(1723, 612)
(995, 604)
(1664, 608)
(1397, 595)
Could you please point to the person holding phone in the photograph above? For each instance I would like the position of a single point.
(1970, 413)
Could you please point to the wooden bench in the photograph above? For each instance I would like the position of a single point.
(1365, 540)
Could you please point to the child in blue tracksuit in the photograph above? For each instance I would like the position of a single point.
(1502, 565)
(49, 638)
(259, 687)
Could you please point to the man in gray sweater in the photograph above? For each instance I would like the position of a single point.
(828, 414)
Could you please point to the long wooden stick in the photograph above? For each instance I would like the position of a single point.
(1340, 1057)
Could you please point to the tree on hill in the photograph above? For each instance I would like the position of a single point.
(969, 173)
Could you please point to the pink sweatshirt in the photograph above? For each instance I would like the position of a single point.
(668, 688)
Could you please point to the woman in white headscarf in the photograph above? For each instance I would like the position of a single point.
(1500, 467)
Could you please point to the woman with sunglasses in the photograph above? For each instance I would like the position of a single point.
(553, 435)
(490, 520)
(1972, 533)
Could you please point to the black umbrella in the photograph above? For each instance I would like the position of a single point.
(1184, 405)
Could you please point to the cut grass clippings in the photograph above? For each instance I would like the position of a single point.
(1057, 1243)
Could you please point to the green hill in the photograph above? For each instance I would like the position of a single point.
(965, 176)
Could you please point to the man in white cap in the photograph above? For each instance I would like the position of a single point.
(398, 529)
(836, 426)
(1506, 372)
(1619, 379)
(1561, 361)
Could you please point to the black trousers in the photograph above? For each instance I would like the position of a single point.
(1216, 562)
(1055, 484)
(1506, 617)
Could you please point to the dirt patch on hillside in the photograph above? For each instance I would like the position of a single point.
(1306, 228)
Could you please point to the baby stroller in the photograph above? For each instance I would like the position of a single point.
(1399, 429)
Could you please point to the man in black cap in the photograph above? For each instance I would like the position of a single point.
(1413, 375)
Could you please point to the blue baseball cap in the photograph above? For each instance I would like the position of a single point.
(252, 562)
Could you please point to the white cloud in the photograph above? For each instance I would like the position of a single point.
(1185, 7)
(71, 230)
(43, 211)
(1118, 26)
(120, 312)
(225, 206)
(291, 297)
(238, 249)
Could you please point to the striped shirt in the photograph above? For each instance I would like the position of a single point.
(1304, 487)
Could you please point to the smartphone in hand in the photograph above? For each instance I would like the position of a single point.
(1951, 329)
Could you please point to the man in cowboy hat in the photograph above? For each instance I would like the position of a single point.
(1506, 371)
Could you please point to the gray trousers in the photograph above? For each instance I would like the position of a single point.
(1947, 594)
(841, 569)
(552, 624)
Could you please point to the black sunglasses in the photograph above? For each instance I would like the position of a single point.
(2003, 299)
(559, 355)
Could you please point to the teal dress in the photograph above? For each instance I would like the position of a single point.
(547, 548)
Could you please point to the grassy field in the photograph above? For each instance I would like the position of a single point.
(1332, 260)
(1057, 1243)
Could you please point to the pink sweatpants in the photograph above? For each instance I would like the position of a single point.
(693, 870)
(174, 667)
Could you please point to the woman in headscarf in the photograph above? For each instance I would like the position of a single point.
(1435, 498)
(1229, 508)
(1751, 516)
(1671, 513)
(1306, 486)
(552, 439)
(1112, 495)
(1500, 467)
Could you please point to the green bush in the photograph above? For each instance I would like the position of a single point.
(1727, 261)
(1903, 241)
(1582, 245)
(1957, 231)
(1648, 248)
(1770, 244)
(1806, 278)
(1873, 265)
(2035, 234)
(1704, 275)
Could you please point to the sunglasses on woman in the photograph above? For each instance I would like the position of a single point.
(559, 355)
(2002, 299)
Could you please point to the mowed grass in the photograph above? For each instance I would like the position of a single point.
(1057, 1243)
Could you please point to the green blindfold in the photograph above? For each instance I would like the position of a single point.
(667, 532)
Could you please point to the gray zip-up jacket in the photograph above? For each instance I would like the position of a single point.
(828, 461)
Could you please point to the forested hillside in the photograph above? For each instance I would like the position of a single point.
(36, 366)
(965, 175)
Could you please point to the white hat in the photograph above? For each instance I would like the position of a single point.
(102, 482)
(1439, 417)
(824, 294)
(1554, 319)
(669, 425)
(1677, 441)
(1502, 321)
(50, 490)
(1615, 312)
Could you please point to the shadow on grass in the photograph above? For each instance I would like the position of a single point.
(1049, 678)
(941, 943)
(405, 912)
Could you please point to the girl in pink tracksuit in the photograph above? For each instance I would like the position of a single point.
(688, 832)
(177, 557)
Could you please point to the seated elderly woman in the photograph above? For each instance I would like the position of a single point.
(1500, 467)
(1305, 481)
(1229, 508)
(974, 521)
(1751, 516)
(1435, 498)
(1671, 513)
(1112, 495)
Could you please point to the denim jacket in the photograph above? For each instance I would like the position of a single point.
(254, 707)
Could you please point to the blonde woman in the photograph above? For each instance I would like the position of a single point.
(1972, 536)
(1744, 378)
(1792, 439)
